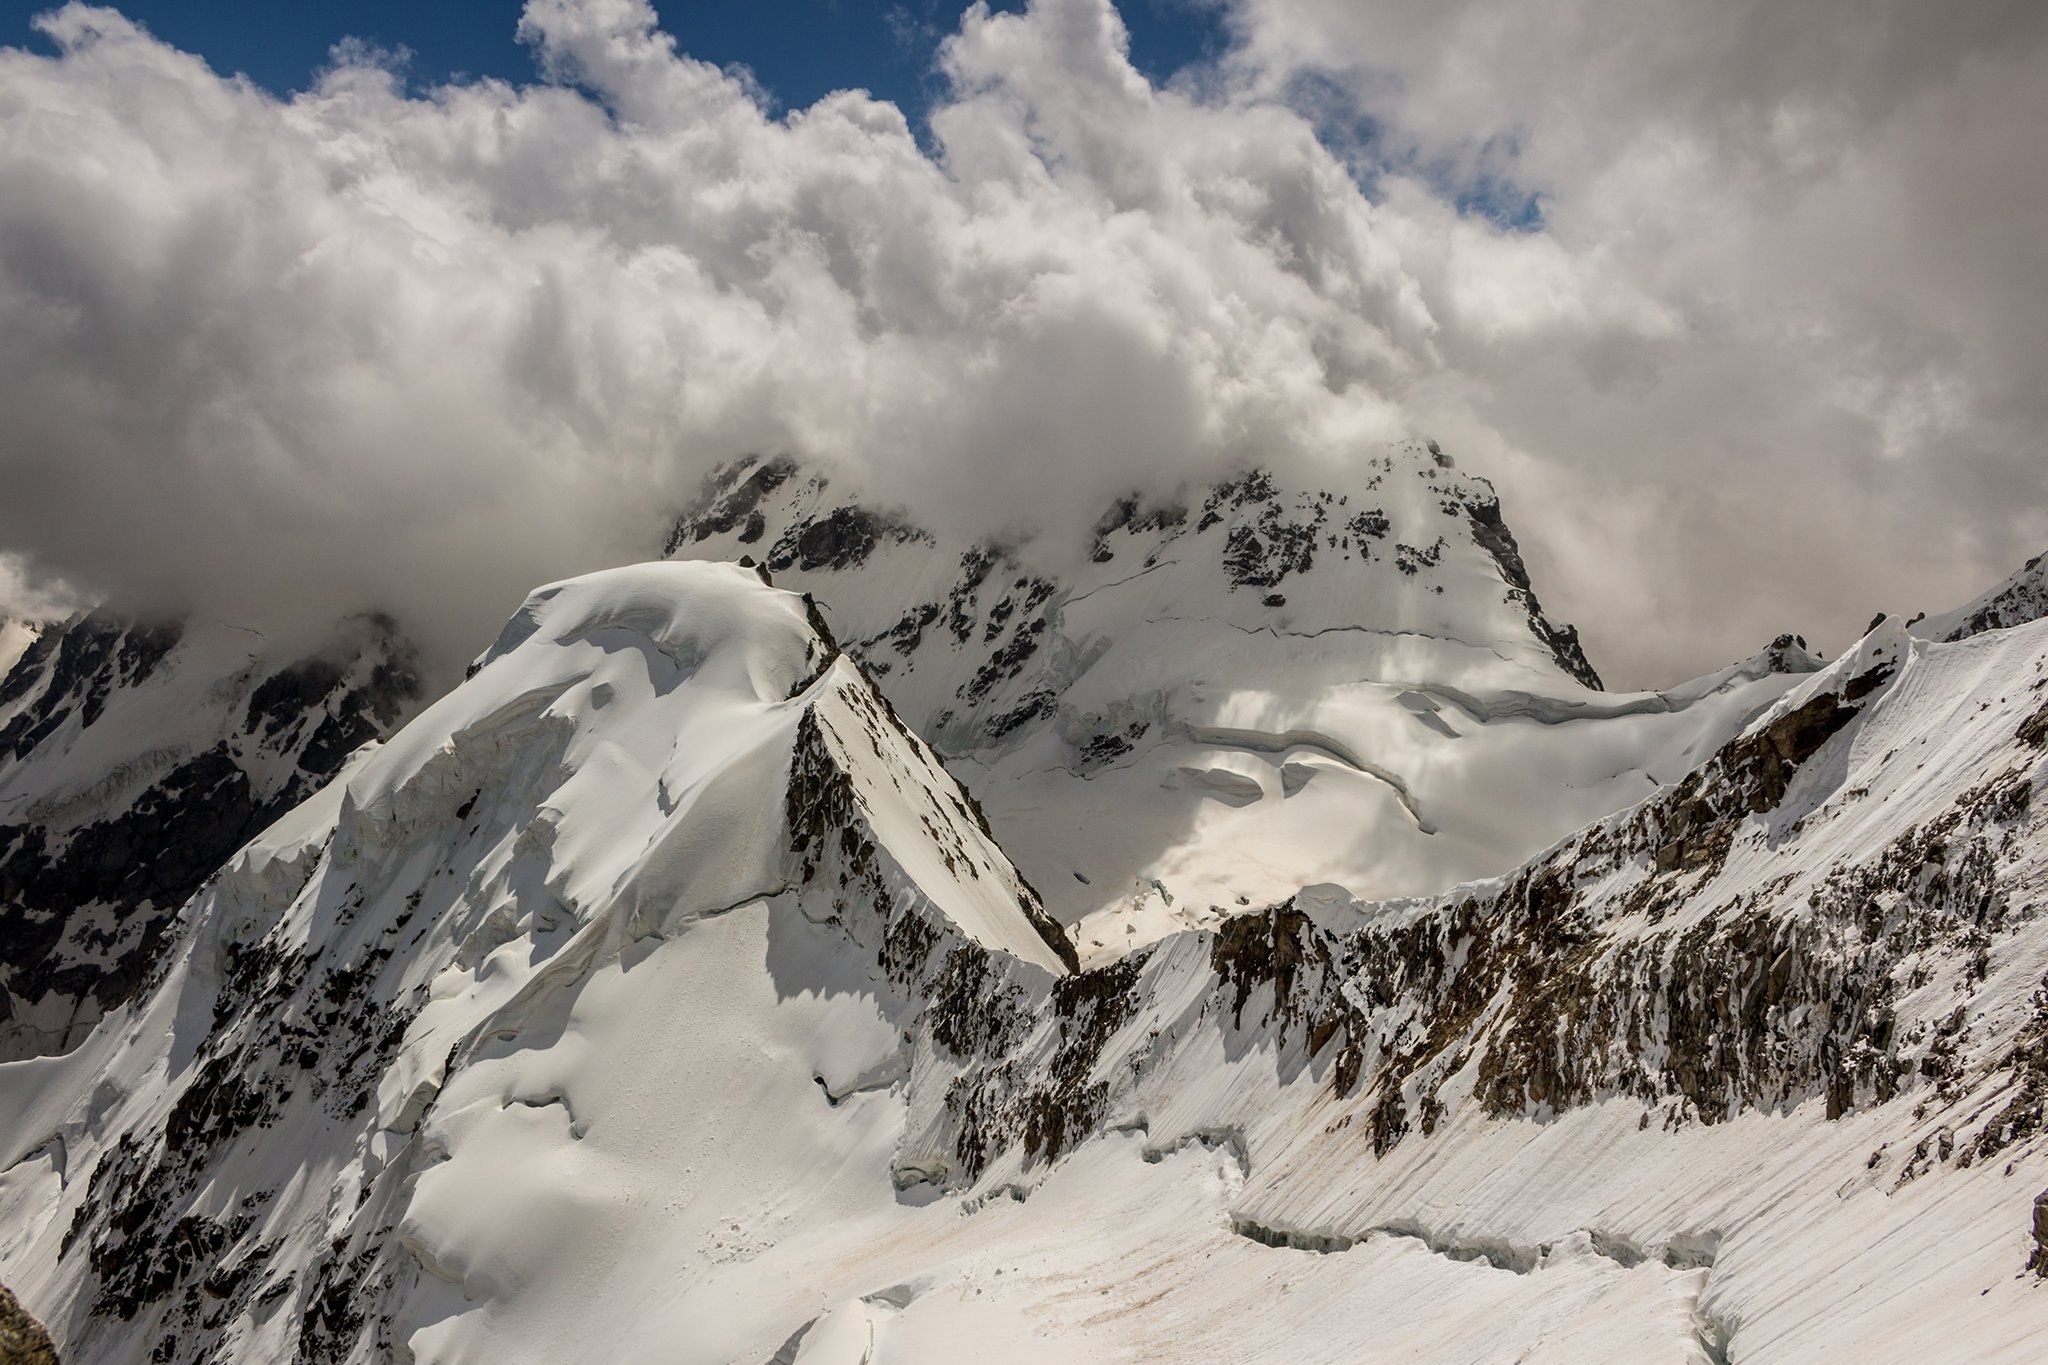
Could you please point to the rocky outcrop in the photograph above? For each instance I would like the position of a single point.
(1632, 961)
(131, 769)
(72, 669)
(2038, 1261)
(2018, 600)
(1496, 539)
(22, 1339)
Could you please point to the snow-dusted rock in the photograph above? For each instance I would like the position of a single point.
(134, 761)
(2018, 600)
(1214, 695)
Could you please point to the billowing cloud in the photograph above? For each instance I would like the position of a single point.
(1774, 352)
(419, 350)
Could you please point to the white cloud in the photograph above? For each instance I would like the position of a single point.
(421, 350)
(1775, 354)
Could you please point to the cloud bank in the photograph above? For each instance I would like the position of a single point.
(1763, 365)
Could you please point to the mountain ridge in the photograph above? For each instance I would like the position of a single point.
(1218, 677)
(134, 760)
(661, 986)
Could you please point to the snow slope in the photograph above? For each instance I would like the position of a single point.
(134, 761)
(1216, 695)
(655, 996)
(1784, 1028)
(647, 764)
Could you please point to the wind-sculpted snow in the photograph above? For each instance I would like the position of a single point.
(657, 996)
(134, 761)
(1215, 694)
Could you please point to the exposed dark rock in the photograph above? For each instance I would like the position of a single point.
(1565, 985)
(2033, 730)
(2037, 1261)
(29, 669)
(1491, 533)
(22, 1339)
(829, 838)
(975, 565)
(907, 634)
(335, 1315)
(1123, 515)
(2023, 599)
(1412, 559)
(1370, 524)
(1036, 704)
(731, 500)
(1748, 776)
(78, 664)
(86, 905)
(2024, 1115)
(1866, 682)
(842, 539)
(1787, 654)
(1262, 552)
(142, 863)
(1108, 747)
(1005, 664)
(275, 1044)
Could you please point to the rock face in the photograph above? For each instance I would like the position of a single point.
(2038, 1262)
(134, 761)
(22, 1339)
(657, 992)
(1493, 535)
(1212, 695)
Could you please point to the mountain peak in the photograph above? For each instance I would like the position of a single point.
(1206, 695)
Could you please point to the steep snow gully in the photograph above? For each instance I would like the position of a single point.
(657, 994)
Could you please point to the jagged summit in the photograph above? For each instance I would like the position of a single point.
(1206, 697)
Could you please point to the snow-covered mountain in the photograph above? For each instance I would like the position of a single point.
(658, 995)
(134, 760)
(1214, 696)
(661, 776)
(2018, 600)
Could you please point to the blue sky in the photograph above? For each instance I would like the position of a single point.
(797, 49)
